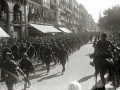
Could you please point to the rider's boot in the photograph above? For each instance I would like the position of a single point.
(91, 63)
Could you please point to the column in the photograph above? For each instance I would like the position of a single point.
(57, 15)
(26, 19)
(8, 23)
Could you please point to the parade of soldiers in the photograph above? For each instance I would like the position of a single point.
(45, 50)
(38, 47)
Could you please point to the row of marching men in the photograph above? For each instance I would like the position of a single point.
(37, 47)
(46, 49)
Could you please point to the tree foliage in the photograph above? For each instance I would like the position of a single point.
(111, 19)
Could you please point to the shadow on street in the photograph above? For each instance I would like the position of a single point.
(42, 70)
(85, 78)
(51, 76)
(37, 76)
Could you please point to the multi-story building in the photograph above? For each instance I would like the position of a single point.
(17, 15)
(75, 12)
(12, 17)
(40, 12)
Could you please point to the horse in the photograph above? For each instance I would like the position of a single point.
(75, 86)
(105, 65)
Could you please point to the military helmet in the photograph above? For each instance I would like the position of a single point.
(8, 53)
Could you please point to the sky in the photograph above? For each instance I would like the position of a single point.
(94, 7)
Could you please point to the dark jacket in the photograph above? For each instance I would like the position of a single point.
(9, 71)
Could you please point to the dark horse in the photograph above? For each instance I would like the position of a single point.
(102, 66)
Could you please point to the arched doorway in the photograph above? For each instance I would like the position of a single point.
(3, 14)
(17, 18)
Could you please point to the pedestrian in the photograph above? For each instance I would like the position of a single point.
(27, 66)
(9, 71)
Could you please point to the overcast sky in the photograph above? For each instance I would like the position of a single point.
(95, 6)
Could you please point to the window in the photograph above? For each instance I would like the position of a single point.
(17, 12)
(3, 10)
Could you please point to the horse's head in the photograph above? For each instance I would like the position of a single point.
(74, 86)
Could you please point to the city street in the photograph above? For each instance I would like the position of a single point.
(77, 68)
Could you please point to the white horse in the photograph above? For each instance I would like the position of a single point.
(75, 86)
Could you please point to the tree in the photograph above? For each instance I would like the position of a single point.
(111, 19)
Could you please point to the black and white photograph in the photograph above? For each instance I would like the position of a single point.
(59, 44)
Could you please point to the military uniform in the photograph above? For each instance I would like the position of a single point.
(27, 66)
(9, 71)
(63, 56)
(31, 51)
(15, 52)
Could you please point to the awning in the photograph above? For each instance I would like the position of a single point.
(3, 33)
(45, 29)
(65, 30)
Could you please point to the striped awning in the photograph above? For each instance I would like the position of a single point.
(45, 29)
(65, 30)
(3, 33)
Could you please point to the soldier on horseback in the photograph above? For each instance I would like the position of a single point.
(103, 59)
(104, 48)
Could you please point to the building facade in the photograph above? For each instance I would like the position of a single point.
(17, 15)
(12, 17)
(40, 12)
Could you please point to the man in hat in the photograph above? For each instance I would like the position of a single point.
(27, 66)
(9, 71)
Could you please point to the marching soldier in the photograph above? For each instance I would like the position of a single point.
(4, 51)
(48, 57)
(56, 50)
(63, 56)
(27, 66)
(31, 51)
(37, 48)
(15, 51)
(42, 52)
(22, 50)
(9, 70)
